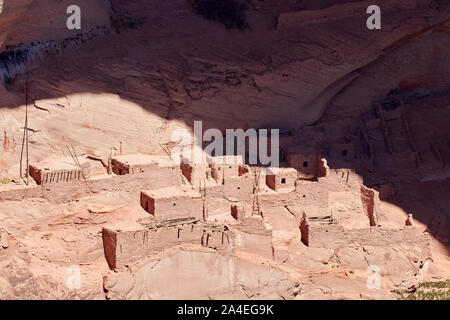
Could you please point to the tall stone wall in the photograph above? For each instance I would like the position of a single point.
(46, 176)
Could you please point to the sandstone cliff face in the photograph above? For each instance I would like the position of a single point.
(140, 69)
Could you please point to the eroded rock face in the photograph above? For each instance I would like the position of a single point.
(374, 104)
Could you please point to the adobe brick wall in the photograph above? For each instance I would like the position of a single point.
(65, 192)
(371, 203)
(386, 191)
(44, 177)
(219, 240)
(238, 211)
(307, 193)
(322, 167)
(304, 229)
(335, 236)
(140, 163)
(196, 174)
(339, 179)
(306, 164)
(283, 179)
(110, 247)
(123, 248)
(255, 243)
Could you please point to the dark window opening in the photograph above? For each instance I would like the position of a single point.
(120, 172)
(305, 164)
(344, 153)
(283, 180)
(174, 204)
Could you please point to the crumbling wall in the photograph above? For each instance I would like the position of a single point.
(60, 193)
(334, 236)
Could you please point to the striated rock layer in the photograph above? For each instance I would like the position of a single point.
(373, 103)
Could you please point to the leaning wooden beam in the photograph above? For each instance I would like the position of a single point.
(437, 152)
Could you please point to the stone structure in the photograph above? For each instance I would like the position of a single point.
(173, 202)
(60, 170)
(225, 209)
(370, 201)
(409, 221)
(123, 247)
(140, 163)
(224, 167)
(308, 164)
(331, 235)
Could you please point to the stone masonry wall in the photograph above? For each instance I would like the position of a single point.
(335, 236)
(125, 247)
